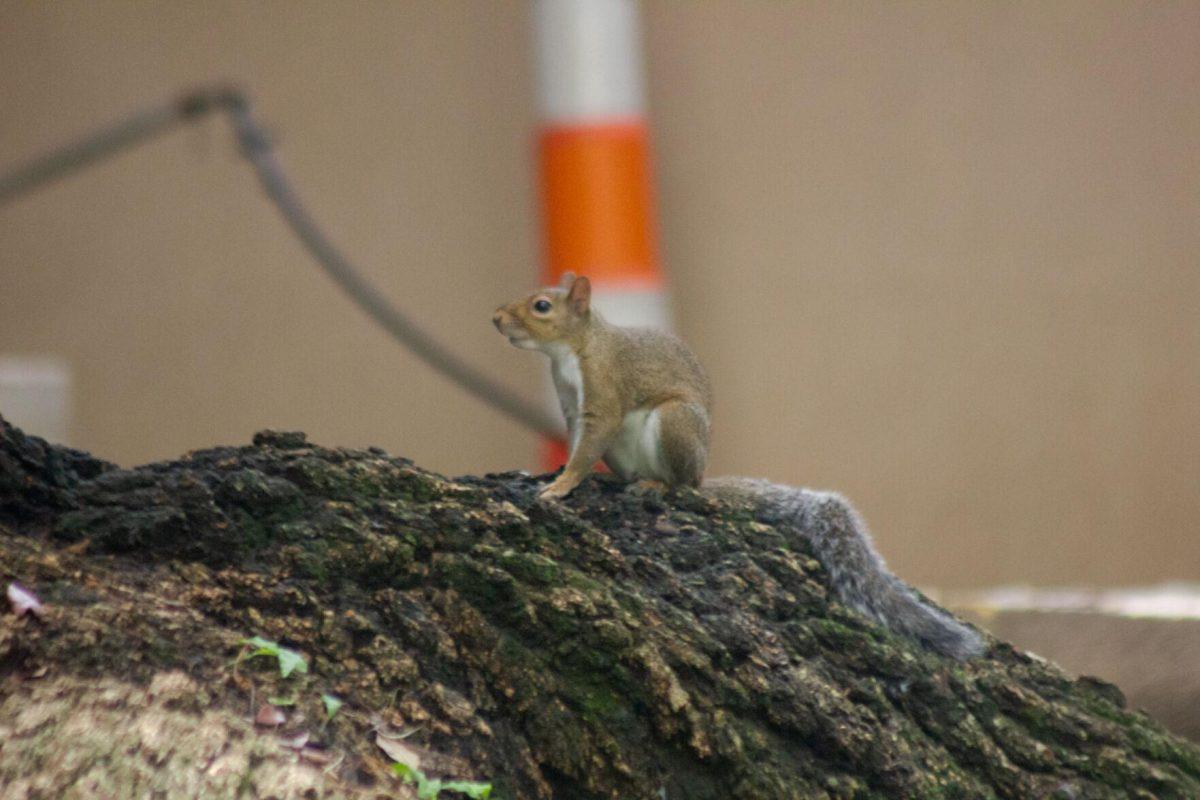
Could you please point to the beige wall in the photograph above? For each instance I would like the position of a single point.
(940, 256)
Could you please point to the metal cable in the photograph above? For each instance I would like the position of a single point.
(256, 148)
(99, 145)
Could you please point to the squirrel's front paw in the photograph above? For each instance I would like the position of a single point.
(557, 490)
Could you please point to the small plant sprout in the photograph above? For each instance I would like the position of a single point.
(289, 660)
(332, 704)
(429, 789)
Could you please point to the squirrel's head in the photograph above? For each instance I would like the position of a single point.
(549, 316)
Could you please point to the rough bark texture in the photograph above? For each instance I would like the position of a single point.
(615, 645)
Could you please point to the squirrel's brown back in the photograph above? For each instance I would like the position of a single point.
(646, 366)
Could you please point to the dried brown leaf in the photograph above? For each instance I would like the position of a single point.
(315, 755)
(295, 741)
(269, 716)
(398, 751)
(24, 601)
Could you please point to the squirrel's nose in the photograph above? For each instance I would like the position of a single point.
(497, 318)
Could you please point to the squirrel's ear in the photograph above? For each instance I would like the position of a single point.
(580, 296)
(566, 281)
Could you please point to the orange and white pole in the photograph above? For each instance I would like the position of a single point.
(593, 156)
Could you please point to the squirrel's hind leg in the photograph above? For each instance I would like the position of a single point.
(682, 441)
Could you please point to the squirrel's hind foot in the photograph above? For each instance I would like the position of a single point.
(645, 486)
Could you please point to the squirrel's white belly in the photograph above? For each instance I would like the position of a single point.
(568, 383)
(636, 452)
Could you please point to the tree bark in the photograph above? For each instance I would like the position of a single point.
(613, 645)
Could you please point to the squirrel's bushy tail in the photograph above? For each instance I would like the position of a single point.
(860, 579)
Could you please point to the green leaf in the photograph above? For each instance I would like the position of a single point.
(332, 704)
(424, 785)
(429, 789)
(478, 791)
(282, 701)
(262, 644)
(290, 661)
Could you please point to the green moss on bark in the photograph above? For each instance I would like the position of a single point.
(615, 645)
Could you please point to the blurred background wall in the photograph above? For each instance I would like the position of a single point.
(942, 257)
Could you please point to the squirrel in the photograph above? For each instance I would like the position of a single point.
(639, 399)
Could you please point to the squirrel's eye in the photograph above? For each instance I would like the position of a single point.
(542, 306)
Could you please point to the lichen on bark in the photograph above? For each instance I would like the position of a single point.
(613, 645)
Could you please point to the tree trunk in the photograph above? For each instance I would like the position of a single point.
(613, 645)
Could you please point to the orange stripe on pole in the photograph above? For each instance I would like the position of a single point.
(597, 204)
(554, 454)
